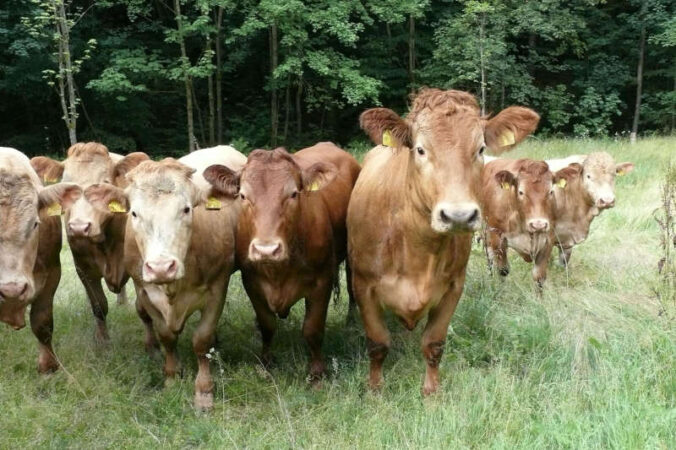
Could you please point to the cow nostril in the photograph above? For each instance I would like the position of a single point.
(444, 217)
(172, 267)
(474, 216)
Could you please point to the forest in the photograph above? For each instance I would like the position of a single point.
(168, 76)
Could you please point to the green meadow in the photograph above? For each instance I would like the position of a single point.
(590, 364)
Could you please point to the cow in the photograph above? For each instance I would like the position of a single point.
(583, 190)
(291, 235)
(30, 244)
(413, 211)
(95, 237)
(518, 208)
(179, 251)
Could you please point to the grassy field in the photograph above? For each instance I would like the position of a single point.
(591, 364)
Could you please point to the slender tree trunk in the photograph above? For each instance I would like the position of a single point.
(482, 30)
(673, 106)
(411, 50)
(66, 84)
(274, 102)
(639, 86)
(502, 96)
(199, 117)
(185, 64)
(299, 106)
(219, 77)
(287, 107)
(211, 101)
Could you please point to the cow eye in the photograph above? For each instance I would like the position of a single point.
(186, 210)
(294, 194)
(133, 214)
(588, 177)
(482, 150)
(520, 192)
(420, 150)
(242, 196)
(35, 225)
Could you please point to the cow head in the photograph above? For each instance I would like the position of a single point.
(598, 178)
(87, 164)
(23, 204)
(530, 192)
(160, 199)
(446, 138)
(272, 188)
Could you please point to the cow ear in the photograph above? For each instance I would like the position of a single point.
(57, 197)
(385, 127)
(49, 170)
(108, 198)
(624, 168)
(510, 127)
(125, 165)
(567, 174)
(224, 181)
(505, 179)
(318, 176)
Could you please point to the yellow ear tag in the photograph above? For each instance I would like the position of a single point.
(620, 173)
(506, 186)
(213, 203)
(54, 210)
(116, 207)
(48, 180)
(562, 183)
(314, 186)
(507, 138)
(388, 139)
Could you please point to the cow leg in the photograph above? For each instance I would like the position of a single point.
(42, 323)
(267, 324)
(434, 336)
(316, 306)
(122, 298)
(150, 342)
(497, 253)
(540, 267)
(99, 304)
(564, 256)
(352, 305)
(202, 340)
(168, 339)
(377, 334)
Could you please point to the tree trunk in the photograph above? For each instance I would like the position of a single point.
(411, 50)
(219, 78)
(199, 116)
(274, 102)
(185, 64)
(673, 106)
(482, 25)
(639, 86)
(287, 107)
(211, 101)
(66, 83)
(299, 107)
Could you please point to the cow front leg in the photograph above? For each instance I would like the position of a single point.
(267, 324)
(539, 271)
(352, 305)
(99, 304)
(564, 256)
(42, 324)
(122, 298)
(497, 253)
(168, 339)
(316, 306)
(434, 336)
(377, 335)
(202, 340)
(150, 342)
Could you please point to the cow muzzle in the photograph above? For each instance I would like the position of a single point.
(605, 202)
(79, 228)
(267, 250)
(456, 217)
(161, 271)
(14, 290)
(538, 225)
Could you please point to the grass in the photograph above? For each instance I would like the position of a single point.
(592, 364)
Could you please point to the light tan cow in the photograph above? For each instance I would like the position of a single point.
(95, 237)
(412, 213)
(587, 189)
(179, 254)
(30, 244)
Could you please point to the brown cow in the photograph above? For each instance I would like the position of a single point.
(412, 214)
(587, 190)
(30, 244)
(291, 235)
(518, 199)
(179, 254)
(95, 237)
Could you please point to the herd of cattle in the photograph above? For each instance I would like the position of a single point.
(402, 222)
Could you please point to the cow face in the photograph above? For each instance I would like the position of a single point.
(446, 138)
(272, 188)
(87, 164)
(531, 193)
(22, 205)
(598, 178)
(160, 199)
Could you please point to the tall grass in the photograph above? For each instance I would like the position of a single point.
(590, 364)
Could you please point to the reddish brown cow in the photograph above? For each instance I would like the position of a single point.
(291, 233)
(30, 244)
(95, 237)
(412, 214)
(518, 198)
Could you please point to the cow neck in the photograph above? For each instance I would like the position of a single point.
(575, 211)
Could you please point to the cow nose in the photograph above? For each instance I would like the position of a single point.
(13, 290)
(606, 202)
(160, 270)
(266, 249)
(79, 228)
(538, 225)
(462, 216)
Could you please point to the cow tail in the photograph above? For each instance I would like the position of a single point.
(336, 287)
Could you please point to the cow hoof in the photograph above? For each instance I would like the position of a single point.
(267, 360)
(170, 382)
(430, 389)
(47, 365)
(376, 385)
(204, 401)
(101, 335)
(504, 271)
